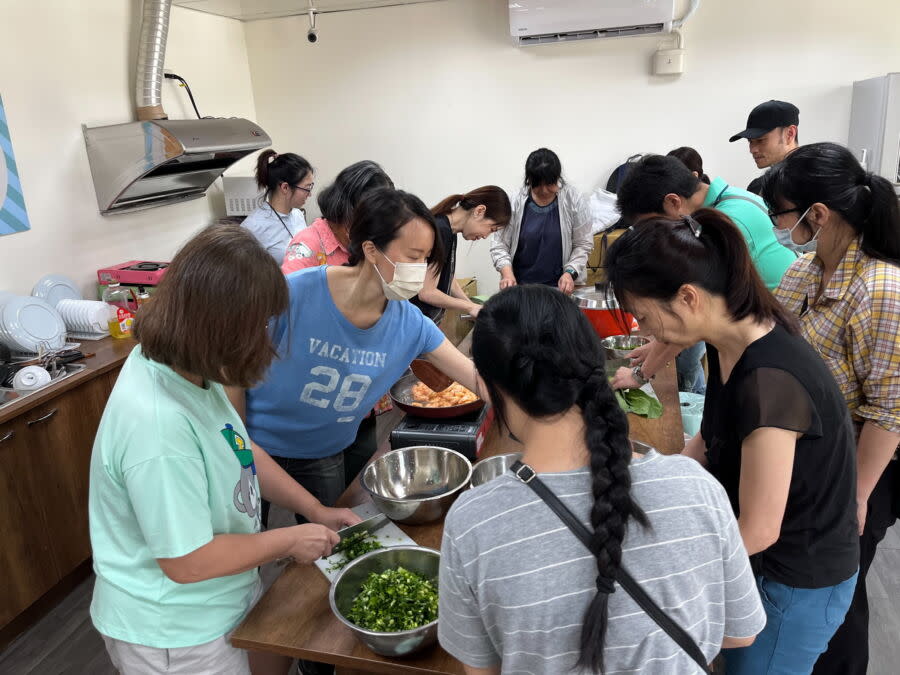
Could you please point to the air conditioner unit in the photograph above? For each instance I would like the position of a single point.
(538, 22)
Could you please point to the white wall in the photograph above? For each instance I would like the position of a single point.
(437, 94)
(65, 63)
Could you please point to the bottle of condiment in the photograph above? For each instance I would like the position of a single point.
(122, 305)
(142, 296)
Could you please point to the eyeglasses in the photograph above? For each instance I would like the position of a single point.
(773, 215)
(307, 190)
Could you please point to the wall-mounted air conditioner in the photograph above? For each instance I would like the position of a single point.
(537, 22)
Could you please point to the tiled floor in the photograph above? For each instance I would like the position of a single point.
(64, 642)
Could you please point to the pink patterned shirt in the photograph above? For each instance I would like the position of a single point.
(313, 246)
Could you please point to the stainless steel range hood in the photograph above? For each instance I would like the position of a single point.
(140, 165)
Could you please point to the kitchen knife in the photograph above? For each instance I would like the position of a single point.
(369, 525)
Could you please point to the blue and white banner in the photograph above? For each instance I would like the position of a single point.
(13, 217)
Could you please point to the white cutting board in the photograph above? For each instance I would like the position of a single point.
(389, 535)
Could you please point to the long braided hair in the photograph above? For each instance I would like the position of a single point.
(533, 346)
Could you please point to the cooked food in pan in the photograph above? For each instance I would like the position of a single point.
(455, 394)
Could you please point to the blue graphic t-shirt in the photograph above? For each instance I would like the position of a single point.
(330, 373)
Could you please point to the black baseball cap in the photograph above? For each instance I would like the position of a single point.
(767, 116)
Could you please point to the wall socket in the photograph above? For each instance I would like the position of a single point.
(668, 62)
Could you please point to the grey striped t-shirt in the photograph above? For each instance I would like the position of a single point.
(515, 582)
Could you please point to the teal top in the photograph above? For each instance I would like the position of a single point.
(751, 215)
(171, 468)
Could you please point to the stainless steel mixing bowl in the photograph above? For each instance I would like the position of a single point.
(424, 561)
(620, 346)
(418, 484)
(492, 467)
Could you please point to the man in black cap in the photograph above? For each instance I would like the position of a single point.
(772, 132)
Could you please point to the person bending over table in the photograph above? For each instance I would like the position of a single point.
(346, 338)
(775, 431)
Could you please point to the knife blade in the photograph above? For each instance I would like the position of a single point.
(369, 525)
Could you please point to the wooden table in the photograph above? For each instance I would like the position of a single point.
(294, 617)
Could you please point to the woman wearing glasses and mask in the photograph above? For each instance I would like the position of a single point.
(288, 181)
(845, 289)
(347, 337)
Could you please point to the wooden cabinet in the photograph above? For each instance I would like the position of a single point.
(45, 456)
(61, 436)
(27, 568)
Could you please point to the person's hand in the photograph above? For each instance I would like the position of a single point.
(310, 542)
(624, 379)
(862, 510)
(507, 281)
(639, 355)
(474, 309)
(566, 283)
(335, 519)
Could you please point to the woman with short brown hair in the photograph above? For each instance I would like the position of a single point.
(175, 483)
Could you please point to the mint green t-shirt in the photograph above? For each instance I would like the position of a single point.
(750, 214)
(171, 468)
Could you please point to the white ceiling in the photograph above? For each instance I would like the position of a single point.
(252, 10)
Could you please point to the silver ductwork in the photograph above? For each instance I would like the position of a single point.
(151, 58)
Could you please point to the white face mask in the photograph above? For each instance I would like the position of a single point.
(409, 278)
(786, 239)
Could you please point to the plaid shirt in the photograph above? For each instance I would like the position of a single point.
(855, 327)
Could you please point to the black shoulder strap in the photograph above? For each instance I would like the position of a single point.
(528, 476)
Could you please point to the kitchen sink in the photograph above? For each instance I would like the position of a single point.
(10, 396)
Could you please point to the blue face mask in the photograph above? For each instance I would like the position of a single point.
(786, 239)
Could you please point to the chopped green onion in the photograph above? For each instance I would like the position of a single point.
(395, 600)
(353, 547)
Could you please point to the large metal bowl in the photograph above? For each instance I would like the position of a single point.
(418, 484)
(492, 467)
(620, 346)
(424, 561)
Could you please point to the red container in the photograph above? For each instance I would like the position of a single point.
(602, 310)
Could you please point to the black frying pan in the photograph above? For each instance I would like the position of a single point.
(401, 395)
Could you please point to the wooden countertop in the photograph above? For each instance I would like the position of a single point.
(294, 617)
(109, 353)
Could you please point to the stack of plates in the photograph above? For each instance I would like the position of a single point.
(29, 324)
(84, 318)
(56, 287)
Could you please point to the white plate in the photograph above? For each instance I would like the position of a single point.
(389, 535)
(32, 323)
(56, 287)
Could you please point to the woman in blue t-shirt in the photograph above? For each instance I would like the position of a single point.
(347, 336)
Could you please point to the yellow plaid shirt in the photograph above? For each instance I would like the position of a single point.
(855, 327)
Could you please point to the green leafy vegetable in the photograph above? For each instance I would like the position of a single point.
(394, 600)
(639, 402)
(353, 547)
